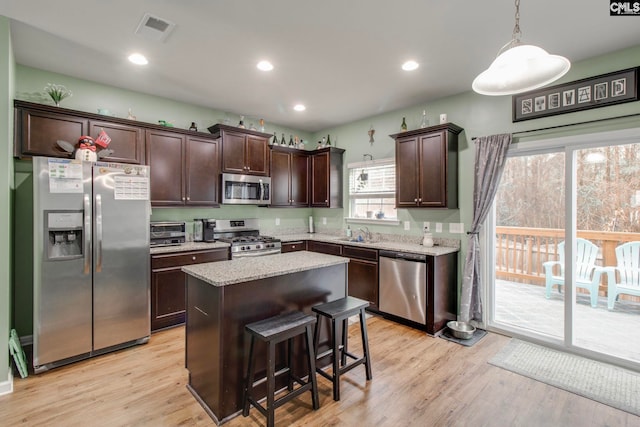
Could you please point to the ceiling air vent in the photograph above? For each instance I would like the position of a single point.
(154, 28)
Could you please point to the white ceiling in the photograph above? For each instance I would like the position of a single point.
(339, 57)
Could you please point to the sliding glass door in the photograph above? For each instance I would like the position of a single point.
(564, 268)
(529, 226)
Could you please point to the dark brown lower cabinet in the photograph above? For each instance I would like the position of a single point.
(363, 274)
(168, 284)
(362, 269)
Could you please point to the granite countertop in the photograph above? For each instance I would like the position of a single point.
(389, 245)
(223, 273)
(188, 246)
(408, 247)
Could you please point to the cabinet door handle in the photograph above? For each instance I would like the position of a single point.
(193, 258)
(326, 201)
(420, 199)
(293, 247)
(415, 200)
(183, 199)
(188, 198)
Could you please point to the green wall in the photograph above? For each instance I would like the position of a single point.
(478, 115)
(89, 96)
(7, 65)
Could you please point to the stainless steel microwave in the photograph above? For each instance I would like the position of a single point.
(246, 189)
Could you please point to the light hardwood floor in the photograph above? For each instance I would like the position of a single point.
(417, 381)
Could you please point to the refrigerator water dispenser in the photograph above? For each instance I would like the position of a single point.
(63, 232)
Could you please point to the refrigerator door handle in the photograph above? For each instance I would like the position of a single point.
(87, 234)
(98, 233)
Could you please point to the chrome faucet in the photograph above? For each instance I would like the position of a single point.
(367, 233)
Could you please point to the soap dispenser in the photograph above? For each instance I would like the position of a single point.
(427, 239)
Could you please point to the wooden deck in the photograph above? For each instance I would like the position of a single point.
(520, 252)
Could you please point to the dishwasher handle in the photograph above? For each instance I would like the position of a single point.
(403, 255)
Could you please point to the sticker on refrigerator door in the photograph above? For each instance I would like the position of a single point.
(65, 176)
(131, 187)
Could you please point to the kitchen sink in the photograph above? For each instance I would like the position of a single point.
(356, 240)
(351, 239)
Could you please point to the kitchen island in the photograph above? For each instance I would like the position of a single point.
(223, 297)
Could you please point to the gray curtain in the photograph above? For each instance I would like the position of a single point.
(491, 153)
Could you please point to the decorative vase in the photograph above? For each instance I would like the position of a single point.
(57, 92)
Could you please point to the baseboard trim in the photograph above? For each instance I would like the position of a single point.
(6, 387)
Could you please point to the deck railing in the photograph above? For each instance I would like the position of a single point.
(520, 251)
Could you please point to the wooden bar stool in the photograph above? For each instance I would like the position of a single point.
(339, 311)
(273, 331)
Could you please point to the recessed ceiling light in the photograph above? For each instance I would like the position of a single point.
(265, 66)
(410, 66)
(138, 59)
(299, 107)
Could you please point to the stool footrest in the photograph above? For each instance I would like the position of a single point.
(282, 400)
(276, 374)
(329, 352)
(342, 369)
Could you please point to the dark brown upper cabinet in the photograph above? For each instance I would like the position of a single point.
(289, 177)
(127, 142)
(184, 169)
(427, 167)
(243, 151)
(39, 126)
(326, 178)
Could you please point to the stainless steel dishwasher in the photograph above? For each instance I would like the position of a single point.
(403, 285)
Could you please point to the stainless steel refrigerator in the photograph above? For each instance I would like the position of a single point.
(91, 259)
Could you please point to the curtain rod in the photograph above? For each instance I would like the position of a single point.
(569, 124)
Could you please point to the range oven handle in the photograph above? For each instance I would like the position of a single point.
(255, 254)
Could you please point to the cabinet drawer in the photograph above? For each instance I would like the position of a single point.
(294, 246)
(361, 253)
(188, 258)
(325, 248)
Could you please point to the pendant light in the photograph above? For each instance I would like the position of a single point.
(520, 67)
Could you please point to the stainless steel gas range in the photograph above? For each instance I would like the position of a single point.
(245, 238)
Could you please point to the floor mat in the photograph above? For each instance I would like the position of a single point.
(608, 384)
(478, 334)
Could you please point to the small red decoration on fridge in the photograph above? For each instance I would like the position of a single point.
(103, 139)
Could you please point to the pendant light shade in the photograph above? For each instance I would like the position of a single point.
(520, 67)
